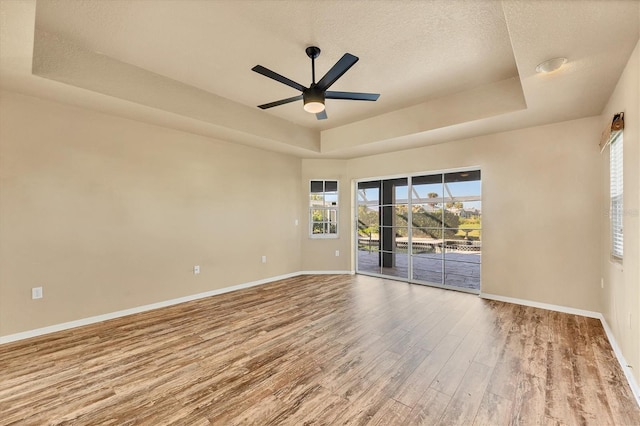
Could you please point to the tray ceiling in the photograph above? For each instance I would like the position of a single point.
(445, 70)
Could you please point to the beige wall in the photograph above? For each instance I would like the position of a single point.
(108, 214)
(621, 293)
(541, 208)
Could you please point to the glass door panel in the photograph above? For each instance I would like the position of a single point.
(383, 232)
(463, 228)
(426, 234)
(393, 228)
(368, 205)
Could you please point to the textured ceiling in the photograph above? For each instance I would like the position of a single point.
(409, 51)
(444, 69)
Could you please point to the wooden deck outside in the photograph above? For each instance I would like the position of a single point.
(322, 350)
(461, 270)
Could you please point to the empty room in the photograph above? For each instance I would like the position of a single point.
(296, 212)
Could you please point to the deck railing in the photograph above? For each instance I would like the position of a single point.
(436, 246)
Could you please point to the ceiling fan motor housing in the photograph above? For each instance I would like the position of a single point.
(312, 94)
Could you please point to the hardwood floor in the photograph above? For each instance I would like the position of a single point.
(322, 350)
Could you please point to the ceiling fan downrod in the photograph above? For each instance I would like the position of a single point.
(313, 52)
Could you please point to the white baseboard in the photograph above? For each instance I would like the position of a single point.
(547, 306)
(623, 362)
(327, 272)
(112, 315)
(564, 309)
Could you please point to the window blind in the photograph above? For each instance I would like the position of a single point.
(616, 195)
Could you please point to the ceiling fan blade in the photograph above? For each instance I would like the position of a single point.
(322, 115)
(353, 96)
(342, 66)
(280, 102)
(277, 77)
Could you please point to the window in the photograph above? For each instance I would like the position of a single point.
(323, 209)
(616, 195)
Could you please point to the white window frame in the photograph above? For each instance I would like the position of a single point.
(616, 197)
(330, 212)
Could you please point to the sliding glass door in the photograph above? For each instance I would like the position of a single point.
(424, 229)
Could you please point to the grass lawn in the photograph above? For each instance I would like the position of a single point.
(472, 234)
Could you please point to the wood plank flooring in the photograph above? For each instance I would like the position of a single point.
(325, 350)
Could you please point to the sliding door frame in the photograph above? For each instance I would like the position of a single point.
(409, 177)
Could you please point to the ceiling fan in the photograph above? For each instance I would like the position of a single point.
(314, 96)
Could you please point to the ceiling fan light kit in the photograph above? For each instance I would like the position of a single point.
(313, 97)
(313, 100)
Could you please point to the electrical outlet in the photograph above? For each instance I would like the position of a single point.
(601, 282)
(196, 270)
(264, 259)
(337, 253)
(36, 293)
(296, 222)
